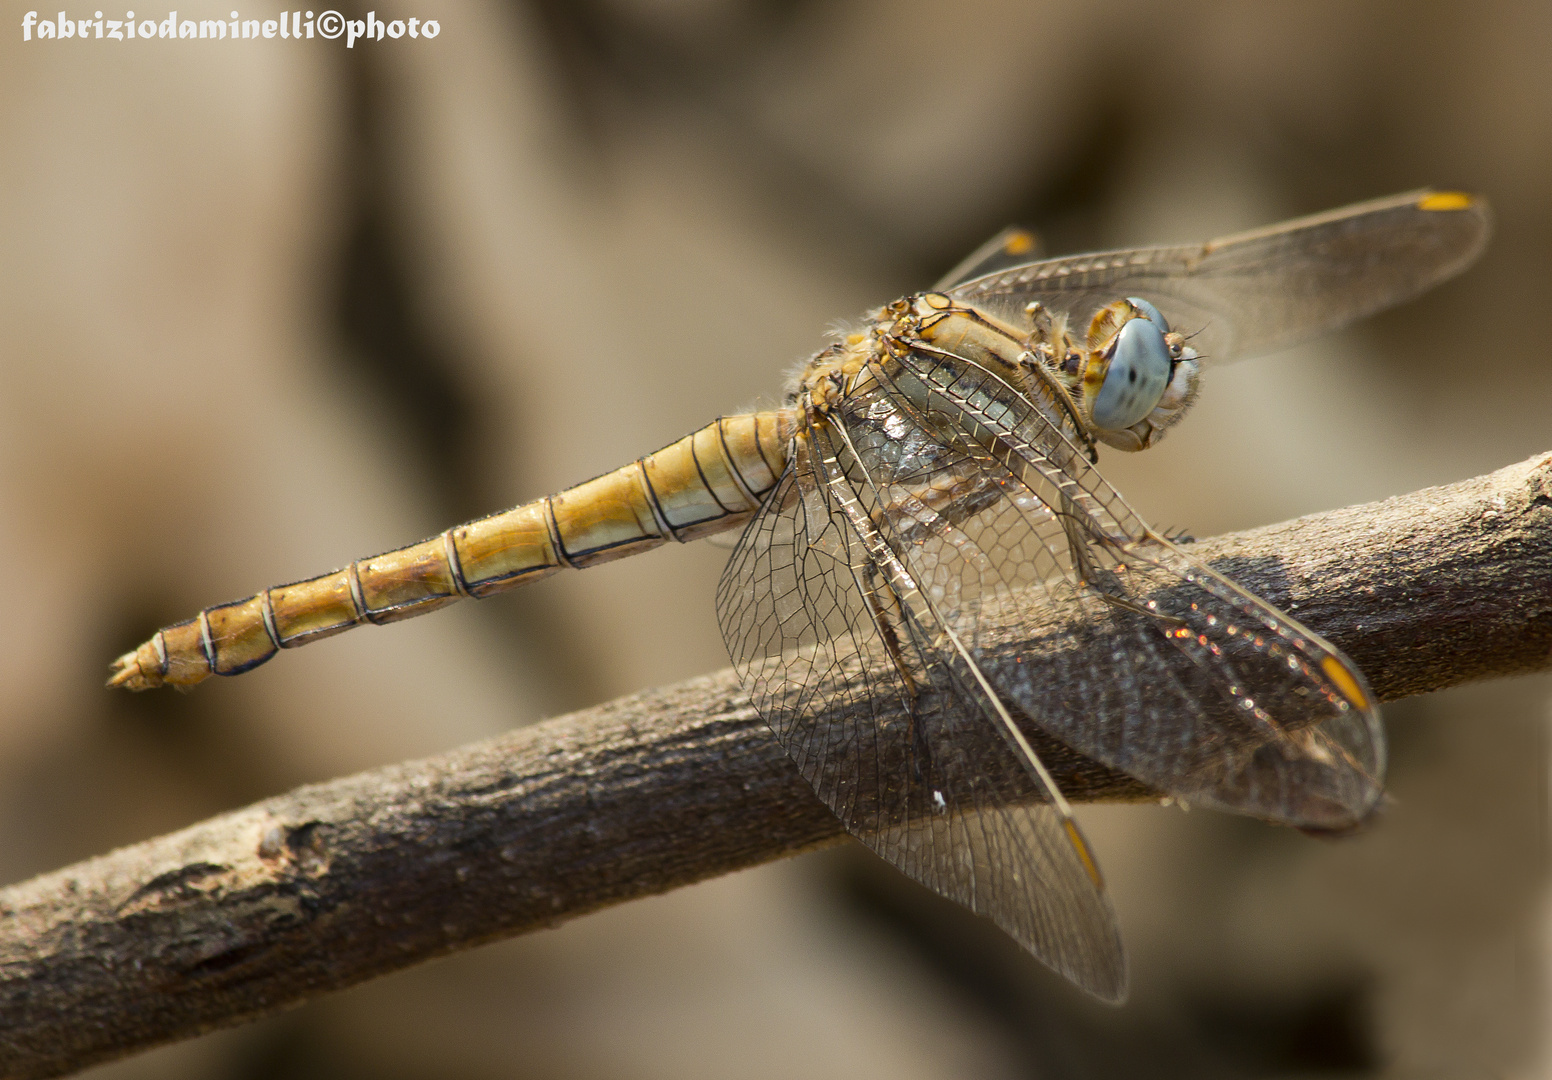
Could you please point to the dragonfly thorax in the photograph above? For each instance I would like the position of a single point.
(1124, 382)
(833, 372)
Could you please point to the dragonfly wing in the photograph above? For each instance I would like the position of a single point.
(1014, 246)
(1123, 646)
(1256, 291)
(894, 734)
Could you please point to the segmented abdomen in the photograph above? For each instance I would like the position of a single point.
(709, 481)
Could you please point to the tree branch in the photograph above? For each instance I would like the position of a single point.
(260, 909)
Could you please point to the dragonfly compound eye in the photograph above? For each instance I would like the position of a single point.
(1139, 372)
(1150, 311)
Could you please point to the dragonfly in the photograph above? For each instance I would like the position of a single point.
(934, 585)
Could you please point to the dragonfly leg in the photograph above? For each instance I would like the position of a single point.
(884, 609)
(1134, 607)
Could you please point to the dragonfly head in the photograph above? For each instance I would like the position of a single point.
(1139, 377)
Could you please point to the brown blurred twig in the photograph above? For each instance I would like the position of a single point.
(326, 886)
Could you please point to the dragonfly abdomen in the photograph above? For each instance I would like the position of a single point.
(709, 481)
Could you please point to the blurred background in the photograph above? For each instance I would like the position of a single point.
(269, 306)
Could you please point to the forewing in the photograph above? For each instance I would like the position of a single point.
(1256, 291)
(1123, 646)
(895, 737)
(1014, 246)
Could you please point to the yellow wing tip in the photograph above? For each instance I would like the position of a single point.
(1084, 855)
(1021, 242)
(1346, 683)
(1446, 200)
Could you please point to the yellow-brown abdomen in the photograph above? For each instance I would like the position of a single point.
(709, 481)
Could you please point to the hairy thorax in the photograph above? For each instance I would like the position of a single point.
(1042, 358)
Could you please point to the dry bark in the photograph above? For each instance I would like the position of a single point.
(328, 885)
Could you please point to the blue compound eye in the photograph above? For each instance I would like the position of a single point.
(1153, 313)
(1139, 373)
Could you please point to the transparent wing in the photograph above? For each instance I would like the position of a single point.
(1014, 246)
(894, 733)
(1123, 646)
(1256, 291)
